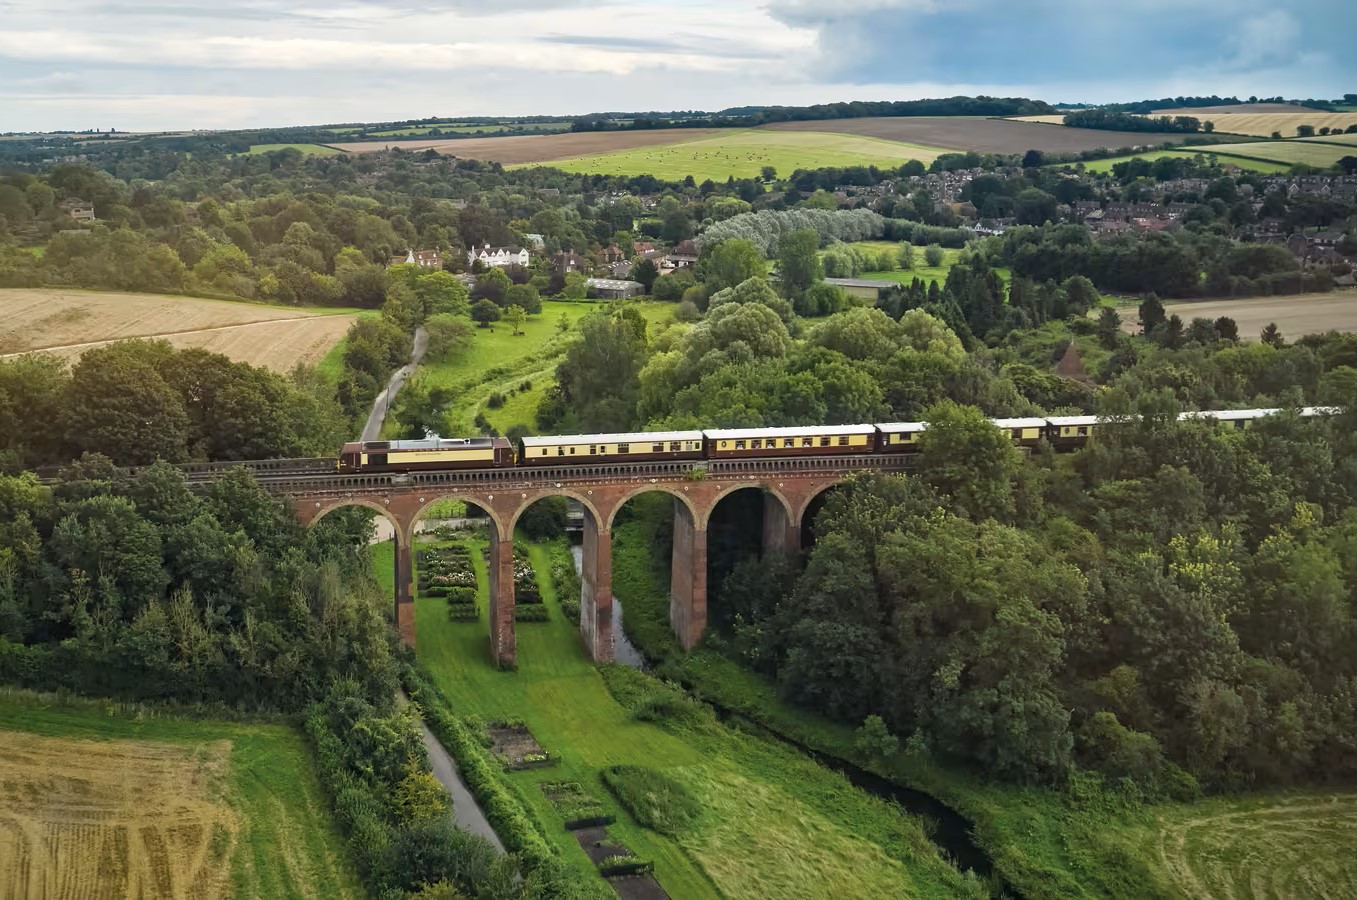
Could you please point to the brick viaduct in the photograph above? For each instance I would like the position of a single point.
(789, 486)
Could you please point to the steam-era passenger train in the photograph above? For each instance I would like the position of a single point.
(1062, 432)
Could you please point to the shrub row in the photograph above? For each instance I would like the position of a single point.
(462, 612)
(612, 866)
(537, 613)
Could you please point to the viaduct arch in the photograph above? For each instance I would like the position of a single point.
(788, 486)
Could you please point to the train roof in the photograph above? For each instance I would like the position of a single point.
(640, 437)
(1226, 415)
(902, 427)
(793, 431)
(436, 443)
(1068, 421)
(1028, 422)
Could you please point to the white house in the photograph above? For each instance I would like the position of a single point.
(502, 257)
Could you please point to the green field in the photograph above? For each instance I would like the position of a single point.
(500, 361)
(254, 811)
(306, 149)
(742, 153)
(921, 271)
(774, 824)
(1253, 165)
(1305, 152)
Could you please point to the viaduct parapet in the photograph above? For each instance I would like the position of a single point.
(789, 486)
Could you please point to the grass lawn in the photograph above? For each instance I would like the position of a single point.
(306, 149)
(285, 844)
(500, 361)
(1294, 844)
(774, 824)
(742, 153)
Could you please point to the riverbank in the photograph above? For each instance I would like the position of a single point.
(1080, 841)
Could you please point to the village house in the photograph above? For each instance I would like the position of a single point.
(684, 254)
(612, 254)
(79, 210)
(568, 261)
(500, 257)
(425, 259)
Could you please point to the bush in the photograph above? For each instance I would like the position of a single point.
(687, 311)
(495, 400)
(654, 800)
(460, 595)
(612, 866)
(530, 613)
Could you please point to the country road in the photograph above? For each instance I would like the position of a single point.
(373, 429)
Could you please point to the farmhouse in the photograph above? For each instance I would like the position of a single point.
(425, 259)
(503, 257)
(684, 254)
(568, 261)
(80, 210)
(611, 289)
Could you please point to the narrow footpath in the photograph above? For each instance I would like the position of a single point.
(465, 811)
(373, 429)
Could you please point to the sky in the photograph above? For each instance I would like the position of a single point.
(140, 65)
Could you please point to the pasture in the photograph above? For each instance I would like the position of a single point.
(534, 148)
(68, 322)
(1309, 153)
(743, 152)
(95, 803)
(306, 149)
(960, 133)
(1251, 165)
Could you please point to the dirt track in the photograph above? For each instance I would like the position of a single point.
(982, 135)
(536, 147)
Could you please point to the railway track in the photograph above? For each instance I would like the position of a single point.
(210, 471)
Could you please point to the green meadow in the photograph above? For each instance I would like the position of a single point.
(743, 153)
(306, 149)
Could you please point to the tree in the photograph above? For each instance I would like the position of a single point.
(524, 296)
(730, 262)
(799, 262)
(485, 312)
(1305, 131)
(874, 739)
(492, 285)
(1272, 336)
(1228, 329)
(1080, 295)
(1151, 313)
(1035, 207)
(449, 335)
(966, 457)
(599, 375)
(1109, 327)
(515, 316)
(442, 292)
(768, 173)
(118, 404)
(906, 256)
(645, 272)
(934, 256)
(1033, 159)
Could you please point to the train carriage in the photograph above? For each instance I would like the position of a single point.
(594, 448)
(804, 440)
(1025, 432)
(427, 455)
(1071, 432)
(899, 437)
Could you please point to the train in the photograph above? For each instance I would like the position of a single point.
(440, 454)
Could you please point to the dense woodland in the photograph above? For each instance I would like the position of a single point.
(1168, 611)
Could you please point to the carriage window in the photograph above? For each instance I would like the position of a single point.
(789, 442)
(756, 444)
(824, 442)
(560, 451)
(1083, 430)
(739, 445)
(675, 446)
(808, 442)
(843, 441)
(572, 451)
(1017, 434)
(593, 449)
(624, 448)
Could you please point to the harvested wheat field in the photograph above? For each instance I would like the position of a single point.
(69, 322)
(1262, 119)
(95, 804)
(1295, 314)
(981, 135)
(535, 148)
(113, 819)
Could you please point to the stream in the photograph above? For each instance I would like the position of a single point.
(623, 651)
